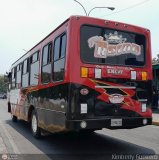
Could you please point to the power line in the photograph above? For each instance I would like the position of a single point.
(130, 7)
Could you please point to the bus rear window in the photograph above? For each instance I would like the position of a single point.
(109, 46)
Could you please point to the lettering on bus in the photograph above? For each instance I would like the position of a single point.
(114, 71)
(114, 45)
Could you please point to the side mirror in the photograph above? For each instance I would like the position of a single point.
(7, 77)
(9, 107)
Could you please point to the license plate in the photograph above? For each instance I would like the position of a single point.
(116, 122)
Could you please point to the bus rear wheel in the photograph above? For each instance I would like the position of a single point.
(89, 131)
(14, 118)
(36, 131)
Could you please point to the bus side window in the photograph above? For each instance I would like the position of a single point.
(46, 63)
(18, 76)
(34, 69)
(63, 46)
(57, 48)
(13, 77)
(25, 73)
(59, 51)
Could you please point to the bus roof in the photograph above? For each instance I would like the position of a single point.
(71, 17)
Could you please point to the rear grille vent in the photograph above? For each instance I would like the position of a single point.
(111, 110)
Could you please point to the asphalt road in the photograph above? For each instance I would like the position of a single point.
(102, 145)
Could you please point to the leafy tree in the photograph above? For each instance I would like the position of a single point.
(3, 85)
(155, 60)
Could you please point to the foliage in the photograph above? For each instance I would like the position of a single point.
(155, 60)
(3, 85)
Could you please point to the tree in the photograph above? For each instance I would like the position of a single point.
(155, 60)
(3, 85)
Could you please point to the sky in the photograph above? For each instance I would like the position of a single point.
(23, 23)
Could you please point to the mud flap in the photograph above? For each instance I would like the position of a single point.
(9, 107)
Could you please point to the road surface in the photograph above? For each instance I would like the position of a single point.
(17, 141)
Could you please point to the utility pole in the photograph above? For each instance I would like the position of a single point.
(87, 14)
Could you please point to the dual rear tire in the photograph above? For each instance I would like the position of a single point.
(14, 118)
(36, 131)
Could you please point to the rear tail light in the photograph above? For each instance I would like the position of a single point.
(143, 107)
(84, 72)
(144, 76)
(98, 73)
(133, 75)
(91, 72)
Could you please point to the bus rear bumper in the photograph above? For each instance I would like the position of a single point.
(111, 123)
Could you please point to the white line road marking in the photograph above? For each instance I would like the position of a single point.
(10, 139)
(3, 148)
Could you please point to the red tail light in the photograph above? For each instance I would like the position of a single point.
(87, 72)
(142, 76)
(91, 73)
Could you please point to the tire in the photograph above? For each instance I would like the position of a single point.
(14, 118)
(9, 107)
(36, 131)
(87, 132)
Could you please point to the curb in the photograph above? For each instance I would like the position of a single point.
(156, 123)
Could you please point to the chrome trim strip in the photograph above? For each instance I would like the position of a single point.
(50, 110)
(118, 87)
(142, 100)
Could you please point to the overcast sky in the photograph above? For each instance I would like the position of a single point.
(23, 23)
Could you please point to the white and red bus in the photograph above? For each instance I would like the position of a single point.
(87, 74)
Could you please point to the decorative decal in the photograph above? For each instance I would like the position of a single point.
(116, 98)
(113, 45)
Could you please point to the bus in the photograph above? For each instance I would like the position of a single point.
(86, 75)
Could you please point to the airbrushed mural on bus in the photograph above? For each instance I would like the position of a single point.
(86, 75)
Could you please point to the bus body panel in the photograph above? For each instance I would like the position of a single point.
(100, 99)
(64, 105)
(45, 98)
